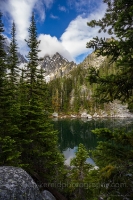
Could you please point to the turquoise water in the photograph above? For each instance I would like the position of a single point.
(72, 132)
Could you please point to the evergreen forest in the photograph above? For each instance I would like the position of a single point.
(27, 137)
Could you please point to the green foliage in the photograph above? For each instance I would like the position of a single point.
(115, 150)
(114, 156)
(6, 107)
(78, 175)
(9, 155)
(68, 93)
(27, 138)
(13, 58)
(117, 20)
(38, 139)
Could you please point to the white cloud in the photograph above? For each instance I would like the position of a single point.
(69, 154)
(83, 5)
(73, 41)
(77, 34)
(54, 16)
(20, 12)
(51, 45)
(62, 8)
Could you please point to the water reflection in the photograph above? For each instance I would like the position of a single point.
(72, 132)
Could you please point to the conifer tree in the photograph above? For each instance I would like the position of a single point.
(8, 147)
(39, 140)
(118, 21)
(4, 104)
(114, 156)
(13, 77)
(114, 152)
(79, 171)
(13, 58)
(2, 71)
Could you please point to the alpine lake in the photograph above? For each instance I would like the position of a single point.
(72, 132)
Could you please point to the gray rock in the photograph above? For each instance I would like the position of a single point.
(55, 114)
(16, 184)
(47, 195)
(89, 116)
(84, 115)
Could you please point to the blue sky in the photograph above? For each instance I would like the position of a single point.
(61, 24)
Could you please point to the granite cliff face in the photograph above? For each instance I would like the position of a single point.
(93, 61)
(56, 66)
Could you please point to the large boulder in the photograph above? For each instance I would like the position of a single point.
(16, 184)
(47, 195)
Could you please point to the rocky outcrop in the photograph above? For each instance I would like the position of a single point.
(93, 60)
(56, 66)
(113, 109)
(16, 184)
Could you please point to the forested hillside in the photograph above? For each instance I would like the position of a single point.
(77, 91)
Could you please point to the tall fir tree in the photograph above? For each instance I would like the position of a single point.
(39, 140)
(5, 123)
(8, 147)
(13, 76)
(2, 72)
(78, 175)
(13, 58)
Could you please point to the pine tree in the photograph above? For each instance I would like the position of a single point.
(13, 58)
(8, 147)
(79, 171)
(4, 103)
(13, 77)
(39, 140)
(118, 21)
(114, 152)
(2, 73)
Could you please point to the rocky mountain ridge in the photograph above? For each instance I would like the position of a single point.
(73, 94)
(93, 61)
(56, 66)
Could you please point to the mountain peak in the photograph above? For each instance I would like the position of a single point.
(56, 65)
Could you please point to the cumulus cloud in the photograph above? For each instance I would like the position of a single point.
(51, 45)
(77, 34)
(20, 12)
(73, 41)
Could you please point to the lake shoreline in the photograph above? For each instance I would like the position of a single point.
(88, 116)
